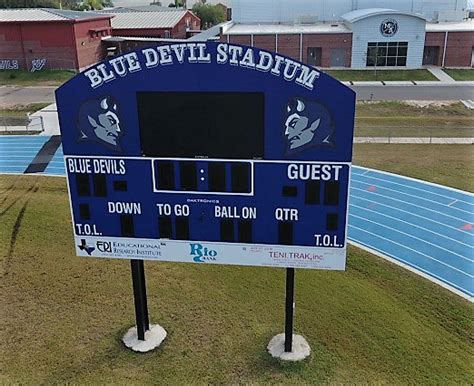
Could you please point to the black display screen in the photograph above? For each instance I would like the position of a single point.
(226, 125)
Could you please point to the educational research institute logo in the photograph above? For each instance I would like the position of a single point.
(307, 124)
(98, 121)
(389, 27)
(201, 253)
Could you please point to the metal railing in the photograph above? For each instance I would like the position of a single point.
(22, 125)
(415, 134)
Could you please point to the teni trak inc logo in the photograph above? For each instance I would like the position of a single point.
(201, 254)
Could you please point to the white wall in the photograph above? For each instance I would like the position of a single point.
(410, 29)
(287, 11)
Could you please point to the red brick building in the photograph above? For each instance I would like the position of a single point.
(449, 44)
(36, 39)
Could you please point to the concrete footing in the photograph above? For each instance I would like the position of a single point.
(300, 349)
(153, 338)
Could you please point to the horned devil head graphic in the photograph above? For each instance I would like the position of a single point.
(98, 121)
(307, 123)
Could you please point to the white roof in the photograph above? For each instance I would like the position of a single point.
(467, 25)
(271, 29)
(46, 14)
(134, 20)
(360, 14)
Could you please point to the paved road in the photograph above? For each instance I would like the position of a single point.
(414, 92)
(11, 96)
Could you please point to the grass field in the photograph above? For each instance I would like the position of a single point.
(37, 78)
(442, 164)
(388, 75)
(63, 316)
(460, 74)
(398, 119)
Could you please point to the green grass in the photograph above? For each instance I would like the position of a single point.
(398, 119)
(461, 74)
(37, 78)
(386, 75)
(22, 110)
(63, 316)
(443, 164)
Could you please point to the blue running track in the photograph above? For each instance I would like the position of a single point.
(425, 227)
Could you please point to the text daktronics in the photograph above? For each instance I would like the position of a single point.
(196, 53)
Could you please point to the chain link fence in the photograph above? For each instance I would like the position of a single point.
(39, 63)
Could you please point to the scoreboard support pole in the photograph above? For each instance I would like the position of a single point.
(139, 295)
(289, 308)
(287, 346)
(134, 338)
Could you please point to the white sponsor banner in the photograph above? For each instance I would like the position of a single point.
(212, 252)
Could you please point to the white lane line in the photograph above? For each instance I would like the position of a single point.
(17, 156)
(27, 153)
(413, 250)
(413, 214)
(416, 180)
(417, 197)
(31, 174)
(453, 202)
(415, 269)
(410, 187)
(411, 224)
(413, 237)
(407, 203)
(21, 143)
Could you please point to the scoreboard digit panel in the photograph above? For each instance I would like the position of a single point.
(208, 153)
(201, 124)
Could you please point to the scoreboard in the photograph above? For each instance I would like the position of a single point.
(208, 153)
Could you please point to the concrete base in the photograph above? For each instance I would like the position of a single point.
(300, 349)
(153, 338)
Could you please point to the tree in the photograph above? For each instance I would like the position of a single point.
(64, 4)
(209, 14)
(176, 4)
(372, 58)
(29, 4)
(94, 5)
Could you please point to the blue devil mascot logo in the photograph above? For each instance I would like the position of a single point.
(98, 121)
(307, 124)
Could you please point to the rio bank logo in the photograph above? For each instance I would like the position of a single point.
(201, 254)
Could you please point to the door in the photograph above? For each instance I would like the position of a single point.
(430, 56)
(338, 57)
(314, 56)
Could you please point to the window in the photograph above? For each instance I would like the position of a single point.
(387, 54)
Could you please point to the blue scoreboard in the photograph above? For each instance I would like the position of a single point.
(208, 153)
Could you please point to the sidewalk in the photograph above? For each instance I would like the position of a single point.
(441, 75)
(416, 140)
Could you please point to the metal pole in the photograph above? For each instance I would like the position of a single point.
(139, 296)
(290, 286)
(144, 297)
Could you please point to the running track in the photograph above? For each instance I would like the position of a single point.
(424, 227)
